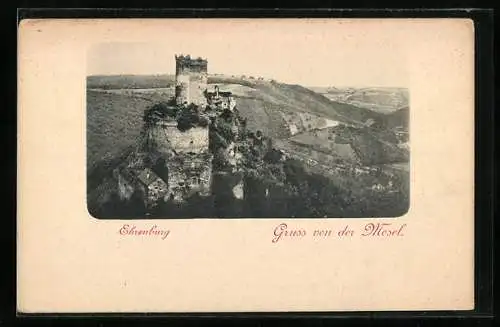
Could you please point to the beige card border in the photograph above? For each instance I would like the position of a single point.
(69, 262)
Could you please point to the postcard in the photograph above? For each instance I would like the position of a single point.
(245, 165)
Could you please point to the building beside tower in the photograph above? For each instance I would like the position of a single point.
(221, 100)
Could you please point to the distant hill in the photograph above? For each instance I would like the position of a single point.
(129, 81)
(379, 99)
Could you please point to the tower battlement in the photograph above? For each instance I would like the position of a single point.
(186, 63)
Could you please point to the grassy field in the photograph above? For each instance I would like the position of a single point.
(114, 122)
(263, 116)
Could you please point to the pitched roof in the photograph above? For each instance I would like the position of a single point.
(221, 93)
(147, 176)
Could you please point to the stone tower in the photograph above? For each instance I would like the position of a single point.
(190, 80)
(187, 160)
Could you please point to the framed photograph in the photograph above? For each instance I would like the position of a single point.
(246, 164)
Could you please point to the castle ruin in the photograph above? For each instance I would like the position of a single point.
(191, 84)
(180, 159)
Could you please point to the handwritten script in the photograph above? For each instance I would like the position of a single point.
(387, 230)
(153, 231)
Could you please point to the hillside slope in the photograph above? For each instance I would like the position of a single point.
(399, 118)
(296, 98)
(114, 121)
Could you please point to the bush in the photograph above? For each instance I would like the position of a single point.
(187, 120)
(159, 111)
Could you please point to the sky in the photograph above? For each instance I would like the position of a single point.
(306, 52)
